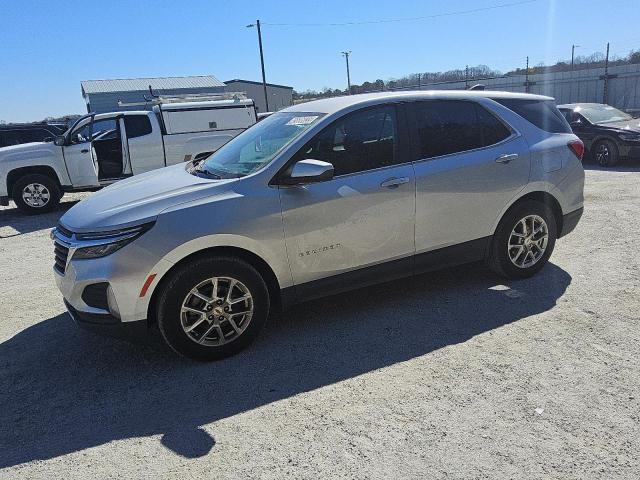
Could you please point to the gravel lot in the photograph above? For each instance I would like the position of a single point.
(455, 374)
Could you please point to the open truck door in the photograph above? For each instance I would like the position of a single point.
(78, 156)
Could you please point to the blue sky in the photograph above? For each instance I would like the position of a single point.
(47, 47)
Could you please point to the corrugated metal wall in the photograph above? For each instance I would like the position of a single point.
(279, 97)
(568, 87)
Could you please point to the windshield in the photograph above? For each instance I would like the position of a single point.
(603, 114)
(258, 145)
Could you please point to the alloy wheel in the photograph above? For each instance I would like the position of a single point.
(602, 155)
(36, 195)
(216, 311)
(528, 241)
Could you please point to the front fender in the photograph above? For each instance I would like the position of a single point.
(31, 155)
(275, 260)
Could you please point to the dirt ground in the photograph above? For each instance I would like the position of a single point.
(455, 374)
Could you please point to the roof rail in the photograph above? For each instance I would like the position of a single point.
(187, 97)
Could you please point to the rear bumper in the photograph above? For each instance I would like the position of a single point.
(570, 221)
(108, 325)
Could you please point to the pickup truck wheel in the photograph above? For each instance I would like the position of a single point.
(212, 308)
(36, 193)
(524, 240)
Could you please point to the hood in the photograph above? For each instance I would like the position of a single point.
(139, 199)
(27, 148)
(628, 125)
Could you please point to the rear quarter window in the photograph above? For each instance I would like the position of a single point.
(493, 130)
(542, 113)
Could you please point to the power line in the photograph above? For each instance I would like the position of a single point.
(405, 19)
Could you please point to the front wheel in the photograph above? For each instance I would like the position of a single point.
(36, 193)
(212, 308)
(524, 240)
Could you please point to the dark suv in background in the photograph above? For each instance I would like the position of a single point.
(608, 134)
(18, 133)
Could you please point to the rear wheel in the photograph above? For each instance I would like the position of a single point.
(36, 193)
(605, 153)
(524, 240)
(212, 308)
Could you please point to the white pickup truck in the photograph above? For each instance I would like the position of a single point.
(100, 149)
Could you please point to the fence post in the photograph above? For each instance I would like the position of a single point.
(605, 93)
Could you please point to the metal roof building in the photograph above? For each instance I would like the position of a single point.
(280, 96)
(103, 95)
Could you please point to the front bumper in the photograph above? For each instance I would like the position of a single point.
(106, 324)
(124, 273)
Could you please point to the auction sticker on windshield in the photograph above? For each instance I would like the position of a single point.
(302, 120)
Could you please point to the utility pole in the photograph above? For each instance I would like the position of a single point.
(466, 77)
(605, 94)
(526, 78)
(419, 81)
(573, 49)
(264, 80)
(346, 57)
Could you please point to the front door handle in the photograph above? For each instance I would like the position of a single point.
(506, 158)
(84, 150)
(394, 182)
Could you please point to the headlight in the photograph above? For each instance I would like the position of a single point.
(96, 245)
(630, 137)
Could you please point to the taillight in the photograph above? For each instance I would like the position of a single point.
(577, 147)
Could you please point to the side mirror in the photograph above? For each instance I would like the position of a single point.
(308, 171)
(59, 140)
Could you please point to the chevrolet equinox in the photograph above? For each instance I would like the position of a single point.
(320, 198)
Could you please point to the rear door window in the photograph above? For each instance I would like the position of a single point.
(443, 127)
(542, 113)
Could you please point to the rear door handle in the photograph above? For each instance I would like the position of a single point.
(506, 158)
(84, 150)
(394, 182)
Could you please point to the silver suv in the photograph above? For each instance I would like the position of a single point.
(316, 199)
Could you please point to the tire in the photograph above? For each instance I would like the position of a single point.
(36, 193)
(605, 153)
(500, 255)
(177, 306)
